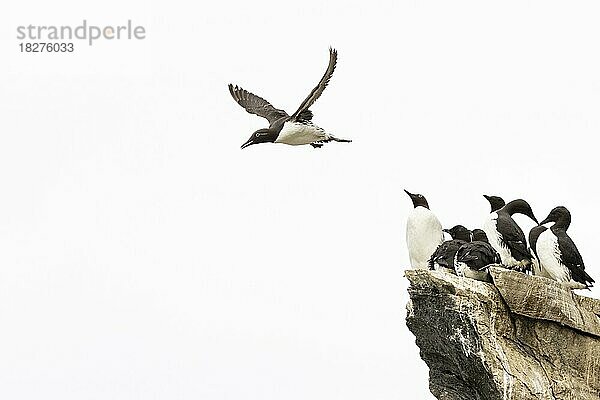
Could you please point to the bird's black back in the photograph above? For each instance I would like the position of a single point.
(477, 255)
(445, 252)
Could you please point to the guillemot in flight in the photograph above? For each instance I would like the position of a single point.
(507, 238)
(423, 232)
(295, 129)
(558, 256)
(472, 259)
(496, 202)
(443, 257)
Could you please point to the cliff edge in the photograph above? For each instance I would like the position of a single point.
(522, 337)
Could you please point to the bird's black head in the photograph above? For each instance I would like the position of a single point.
(417, 199)
(479, 236)
(520, 206)
(459, 232)
(496, 202)
(560, 216)
(261, 136)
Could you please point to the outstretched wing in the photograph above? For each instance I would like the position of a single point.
(316, 92)
(255, 104)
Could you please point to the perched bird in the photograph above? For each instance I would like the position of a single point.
(472, 259)
(443, 257)
(496, 202)
(459, 232)
(557, 253)
(423, 232)
(507, 238)
(296, 129)
(534, 234)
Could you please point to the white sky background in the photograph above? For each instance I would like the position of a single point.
(145, 256)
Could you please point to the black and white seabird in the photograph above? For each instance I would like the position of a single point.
(294, 130)
(534, 234)
(443, 257)
(423, 232)
(459, 232)
(558, 256)
(507, 238)
(496, 202)
(472, 259)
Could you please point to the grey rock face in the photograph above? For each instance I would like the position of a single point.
(522, 337)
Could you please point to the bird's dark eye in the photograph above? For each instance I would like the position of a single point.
(258, 134)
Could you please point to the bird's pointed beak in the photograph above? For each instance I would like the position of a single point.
(533, 218)
(544, 221)
(486, 196)
(248, 143)
(408, 193)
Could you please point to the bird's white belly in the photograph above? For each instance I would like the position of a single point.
(295, 133)
(537, 267)
(423, 235)
(489, 227)
(549, 257)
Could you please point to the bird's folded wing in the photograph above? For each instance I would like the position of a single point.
(316, 92)
(255, 104)
(514, 237)
(571, 257)
(519, 247)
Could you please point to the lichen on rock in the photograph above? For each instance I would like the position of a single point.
(522, 337)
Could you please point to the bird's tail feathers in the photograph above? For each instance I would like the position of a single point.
(335, 139)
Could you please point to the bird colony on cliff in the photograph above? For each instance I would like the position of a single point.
(549, 253)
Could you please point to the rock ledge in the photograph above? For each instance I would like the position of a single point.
(522, 337)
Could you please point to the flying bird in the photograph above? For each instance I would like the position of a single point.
(558, 256)
(423, 232)
(295, 129)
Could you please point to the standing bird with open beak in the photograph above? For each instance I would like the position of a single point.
(423, 232)
(295, 129)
